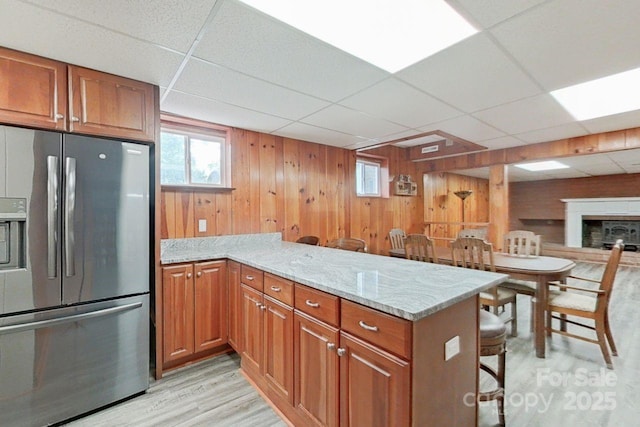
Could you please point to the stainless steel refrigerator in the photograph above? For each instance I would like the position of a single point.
(74, 274)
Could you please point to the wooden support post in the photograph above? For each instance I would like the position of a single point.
(498, 204)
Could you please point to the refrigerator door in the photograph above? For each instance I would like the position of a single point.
(30, 181)
(105, 219)
(60, 363)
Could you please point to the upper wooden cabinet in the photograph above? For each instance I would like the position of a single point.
(104, 104)
(33, 90)
(43, 93)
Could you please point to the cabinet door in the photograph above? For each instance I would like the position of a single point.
(253, 326)
(177, 311)
(33, 90)
(375, 385)
(104, 104)
(210, 305)
(316, 371)
(235, 306)
(278, 346)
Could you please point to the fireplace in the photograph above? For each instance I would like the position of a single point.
(597, 222)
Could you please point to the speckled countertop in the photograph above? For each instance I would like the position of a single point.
(408, 289)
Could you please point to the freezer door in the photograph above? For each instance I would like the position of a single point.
(30, 177)
(106, 231)
(60, 363)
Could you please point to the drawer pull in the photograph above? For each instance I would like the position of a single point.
(367, 327)
(248, 277)
(312, 304)
(275, 289)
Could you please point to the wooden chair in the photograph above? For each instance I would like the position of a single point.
(348, 244)
(593, 305)
(309, 240)
(419, 247)
(396, 238)
(493, 342)
(525, 244)
(475, 253)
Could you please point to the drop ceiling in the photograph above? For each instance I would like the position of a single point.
(224, 62)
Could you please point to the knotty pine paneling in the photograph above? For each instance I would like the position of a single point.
(297, 188)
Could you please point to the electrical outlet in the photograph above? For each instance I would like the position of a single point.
(451, 348)
(202, 225)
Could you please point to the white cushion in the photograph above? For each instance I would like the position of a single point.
(503, 294)
(573, 301)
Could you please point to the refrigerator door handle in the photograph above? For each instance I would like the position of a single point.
(52, 215)
(10, 329)
(69, 216)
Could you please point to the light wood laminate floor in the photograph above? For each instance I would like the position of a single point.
(571, 387)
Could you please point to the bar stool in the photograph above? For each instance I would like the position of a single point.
(493, 339)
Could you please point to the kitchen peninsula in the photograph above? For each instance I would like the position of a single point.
(332, 336)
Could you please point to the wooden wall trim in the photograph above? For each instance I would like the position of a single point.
(582, 145)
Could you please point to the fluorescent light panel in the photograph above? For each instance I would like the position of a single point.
(542, 166)
(609, 95)
(391, 34)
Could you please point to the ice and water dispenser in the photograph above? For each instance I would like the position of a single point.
(13, 224)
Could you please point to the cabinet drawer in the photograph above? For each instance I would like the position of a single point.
(318, 304)
(251, 277)
(385, 331)
(279, 288)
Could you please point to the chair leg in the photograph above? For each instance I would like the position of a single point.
(600, 332)
(548, 322)
(607, 330)
(501, 383)
(514, 319)
(532, 316)
(563, 323)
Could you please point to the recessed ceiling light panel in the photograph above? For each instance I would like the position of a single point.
(542, 166)
(391, 34)
(609, 95)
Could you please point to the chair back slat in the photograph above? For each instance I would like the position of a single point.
(396, 238)
(419, 247)
(348, 244)
(309, 240)
(609, 275)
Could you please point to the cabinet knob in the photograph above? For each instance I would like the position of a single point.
(258, 304)
(75, 119)
(263, 307)
(189, 275)
(331, 346)
(199, 273)
(341, 352)
(59, 116)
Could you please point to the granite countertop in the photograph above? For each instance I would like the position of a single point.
(408, 289)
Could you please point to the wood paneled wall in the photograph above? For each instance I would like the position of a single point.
(442, 205)
(536, 205)
(294, 187)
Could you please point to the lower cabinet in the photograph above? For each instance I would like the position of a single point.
(235, 305)
(194, 315)
(252, 331)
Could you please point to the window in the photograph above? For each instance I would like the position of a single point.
(194, 154)
(367, 178)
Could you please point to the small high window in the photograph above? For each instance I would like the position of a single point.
(372, 173)
(194, 154)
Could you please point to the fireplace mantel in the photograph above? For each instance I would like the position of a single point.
(575, 209)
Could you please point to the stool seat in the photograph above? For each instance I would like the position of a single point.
(493, 340)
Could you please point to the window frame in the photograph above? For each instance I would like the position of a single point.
(383, 175)
(193, 128)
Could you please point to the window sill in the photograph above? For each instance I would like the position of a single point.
(202, 188)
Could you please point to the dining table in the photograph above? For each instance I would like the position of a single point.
(538, 269)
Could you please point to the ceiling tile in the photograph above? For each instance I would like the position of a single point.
(342, 119)
(625, 158)
(315, 134)
(217, 112)
(398, 102)
(571, 41)
(539, 112)
(218, 83)
(626, 120)
(35, 30)
(466, 127)
(602, 170)
(171, 23)
(471, 75)
(566, 130)
(502, 142)
(490, 12)
(243, 39)
(584, 162)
